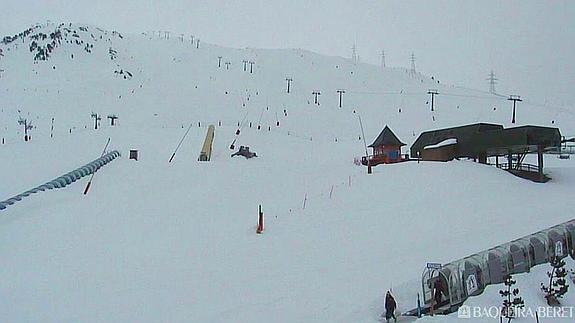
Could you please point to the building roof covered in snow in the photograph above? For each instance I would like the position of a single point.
(490, 139)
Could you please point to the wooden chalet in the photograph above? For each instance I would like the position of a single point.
(386, 149)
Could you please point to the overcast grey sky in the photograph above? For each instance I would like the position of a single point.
(529, 44)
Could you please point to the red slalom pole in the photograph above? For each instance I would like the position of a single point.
(260, 228)
(94, 173)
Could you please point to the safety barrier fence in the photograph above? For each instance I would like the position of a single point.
(65, 179)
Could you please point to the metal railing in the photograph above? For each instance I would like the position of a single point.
(522, 167)
(379, 159)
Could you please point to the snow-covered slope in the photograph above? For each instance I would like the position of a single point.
(175, 242)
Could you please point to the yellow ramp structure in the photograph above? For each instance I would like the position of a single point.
(206, 153)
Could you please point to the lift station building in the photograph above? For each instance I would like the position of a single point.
(482, 140)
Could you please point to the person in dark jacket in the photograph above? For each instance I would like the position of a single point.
(438, 291)
(390, 306)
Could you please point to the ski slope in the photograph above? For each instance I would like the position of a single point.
(175, 242)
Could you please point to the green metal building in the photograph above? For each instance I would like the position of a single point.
(482, 140)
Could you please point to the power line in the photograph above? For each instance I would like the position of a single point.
(489, 97)
(385, 93)
(472, 96)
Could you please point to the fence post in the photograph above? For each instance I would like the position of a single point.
(418, 306)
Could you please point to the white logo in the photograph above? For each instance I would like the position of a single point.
(471, 284)
(464, 312)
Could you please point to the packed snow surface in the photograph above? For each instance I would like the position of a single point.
(175, 242)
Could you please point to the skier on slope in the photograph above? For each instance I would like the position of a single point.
(390, 306)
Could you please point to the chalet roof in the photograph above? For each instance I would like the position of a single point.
(386, 138)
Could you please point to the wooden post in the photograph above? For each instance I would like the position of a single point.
(540, 160)
(431, 309)
(483, 158)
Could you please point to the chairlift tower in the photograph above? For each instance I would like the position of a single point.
(27, 126)
(316, 94)
(96, 119)
(340, 92)
(433, 93)
(113, 119)
(289, 80)
(515, 99)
